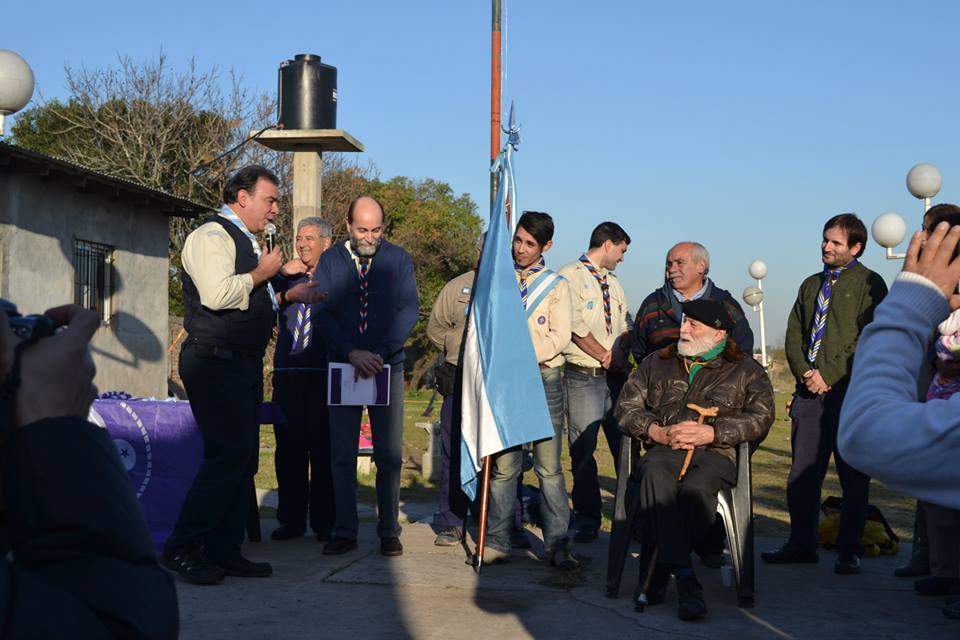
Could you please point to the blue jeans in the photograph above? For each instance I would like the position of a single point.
(387, 426)
(554, 507)
(589, 404)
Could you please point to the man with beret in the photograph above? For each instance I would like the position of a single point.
(832, 308)
(705, 367)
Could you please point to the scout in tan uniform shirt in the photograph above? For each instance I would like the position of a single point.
(599, 321)
(445, 330)
(546, 297)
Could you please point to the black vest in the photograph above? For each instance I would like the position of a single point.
(245, 331)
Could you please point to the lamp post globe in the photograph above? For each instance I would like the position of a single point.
(889, 230)
(753, 295)
(758, 269)
(924, 180)
(16, 82)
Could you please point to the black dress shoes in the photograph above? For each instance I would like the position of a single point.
(936, 586)
(585, 535)
(286, 532)
(788, 554)
(188, 562)
(915, 568)
(339, 545)
(391, 547)
(848, 563)
(240, 567)
(692, 605)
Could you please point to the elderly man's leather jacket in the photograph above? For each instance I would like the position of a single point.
(657, 392)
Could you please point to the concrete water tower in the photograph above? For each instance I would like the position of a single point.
(16, 84)
(307, 113)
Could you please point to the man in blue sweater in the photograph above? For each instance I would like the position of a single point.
(370, 310)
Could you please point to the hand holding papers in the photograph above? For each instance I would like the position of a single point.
(346, 388)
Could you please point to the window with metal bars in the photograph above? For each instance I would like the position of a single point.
(93, 281)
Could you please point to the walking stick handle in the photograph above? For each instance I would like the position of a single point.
(703, 413)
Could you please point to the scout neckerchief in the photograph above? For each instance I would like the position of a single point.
(693, 364)
(830, 277)
(604, 290)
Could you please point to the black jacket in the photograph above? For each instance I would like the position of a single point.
(657, 391)
(83, 562)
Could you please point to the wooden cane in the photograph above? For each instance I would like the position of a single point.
(704, 413)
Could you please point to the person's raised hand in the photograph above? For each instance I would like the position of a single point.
(56, 373)
(933, 259)
(294, 267)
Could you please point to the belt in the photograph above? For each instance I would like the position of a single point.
(590, 371)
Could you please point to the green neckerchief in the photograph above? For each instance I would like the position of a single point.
(694, 363)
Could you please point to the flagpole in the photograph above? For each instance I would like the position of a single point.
(494, 151)
(495, 102)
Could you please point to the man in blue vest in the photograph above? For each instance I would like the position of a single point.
(229, 315)
(371, 309)
(302, 457)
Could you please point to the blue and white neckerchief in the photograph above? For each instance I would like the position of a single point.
(229, 214)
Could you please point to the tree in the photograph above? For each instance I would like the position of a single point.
(167, 130)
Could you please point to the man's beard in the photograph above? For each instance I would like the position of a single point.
(695, 346)
(363, 249)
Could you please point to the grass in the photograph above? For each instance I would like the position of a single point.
(771, 464)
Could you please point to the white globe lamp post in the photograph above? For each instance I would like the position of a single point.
(889, 230)
(924, 182)
(16, 84)
(753, 296)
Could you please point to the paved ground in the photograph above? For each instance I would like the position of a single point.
(430, 592)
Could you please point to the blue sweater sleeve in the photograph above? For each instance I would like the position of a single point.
(405, 312)
(884, 431)
(334, 282)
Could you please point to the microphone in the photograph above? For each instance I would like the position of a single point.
(271, 231)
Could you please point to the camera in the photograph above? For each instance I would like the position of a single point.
(32, 327)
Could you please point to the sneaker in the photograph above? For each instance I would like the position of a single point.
(916, 567)
(240, 567)
(691, 606)
(286, 532)
(848, 563)
(562, 559)
(189, 564)
(339, 545)
(448, 537)
(492, 555)
(788, 554)
(391, 547)
(519, 539)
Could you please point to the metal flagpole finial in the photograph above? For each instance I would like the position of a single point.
(513, 127)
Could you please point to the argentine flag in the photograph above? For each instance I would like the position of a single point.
(502, 401)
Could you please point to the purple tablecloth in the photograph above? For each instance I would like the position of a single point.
(161, 449)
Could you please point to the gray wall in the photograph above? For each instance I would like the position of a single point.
(39, 220)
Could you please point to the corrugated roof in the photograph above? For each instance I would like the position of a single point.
(18, 159)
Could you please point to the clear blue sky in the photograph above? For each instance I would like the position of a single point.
(743, 125)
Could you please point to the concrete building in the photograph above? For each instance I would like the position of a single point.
(71, 234)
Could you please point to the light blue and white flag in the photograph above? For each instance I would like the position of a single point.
(502, 401)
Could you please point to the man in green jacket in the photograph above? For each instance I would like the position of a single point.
(832, 308)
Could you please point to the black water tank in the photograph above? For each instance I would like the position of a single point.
(307, 93)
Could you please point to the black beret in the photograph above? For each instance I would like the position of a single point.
(709, 312)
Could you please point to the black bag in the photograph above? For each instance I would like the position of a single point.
(445, 378)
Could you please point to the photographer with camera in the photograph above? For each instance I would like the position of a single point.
(83, 565)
